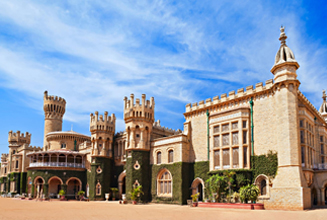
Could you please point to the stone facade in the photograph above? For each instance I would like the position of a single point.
(220, 133)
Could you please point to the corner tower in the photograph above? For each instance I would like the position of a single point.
(102, 130)
(54, 109)
(139, 118)
(290, 179)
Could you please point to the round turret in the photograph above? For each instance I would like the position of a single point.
(54, 109)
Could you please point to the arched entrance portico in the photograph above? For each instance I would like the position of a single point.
(73, 186)
(198, 187)
(54, 186)
(38, 184)
(122, 183)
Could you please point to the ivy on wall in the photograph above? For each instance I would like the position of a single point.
(265, 164)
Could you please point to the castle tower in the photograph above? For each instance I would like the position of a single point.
(139, 118)
(323, 107)
(16, 140)
(290, 179)
(102, 130)
(54, 109)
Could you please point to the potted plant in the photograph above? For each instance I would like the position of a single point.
(136, 193)
(62, 194)
(81, 195)
(236, 197)
(195, 199)
(249, 192)
(114, 191)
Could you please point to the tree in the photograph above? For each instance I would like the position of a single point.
(216, 185)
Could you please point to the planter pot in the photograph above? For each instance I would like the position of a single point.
(107, 195)
(134, 202)
(194, 204)
(113, 199)
(62, 198)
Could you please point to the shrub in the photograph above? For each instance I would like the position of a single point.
(136, 193)
(195, 197)
(216, 186)
(62, 192)
(249, 192)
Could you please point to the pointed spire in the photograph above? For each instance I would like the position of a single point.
(282, 36)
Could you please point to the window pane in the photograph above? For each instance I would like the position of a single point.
(244, 124)
(225, 127)
(159, 158)
(235, 157)
(217, 159)
(225, 139)
(245, 156)
(302, 136)
(245, 137)
(226, 157)
(216, 129)
(171, 156)
(216, 141)
(302, 155)
(234, 125)
(235, 138)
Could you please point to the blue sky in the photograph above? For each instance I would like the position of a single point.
(93, 53)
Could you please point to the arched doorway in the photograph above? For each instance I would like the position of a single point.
(122, 183)
(326, 195)
(38, 183)
(197, 187)
(73, 186)
(54, 186)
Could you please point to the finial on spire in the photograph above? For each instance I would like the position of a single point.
(324, 95)
(282, 36)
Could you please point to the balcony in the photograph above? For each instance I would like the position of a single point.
(57, 164)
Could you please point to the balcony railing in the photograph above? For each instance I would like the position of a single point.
(57, 164)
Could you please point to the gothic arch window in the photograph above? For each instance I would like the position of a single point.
(164, 183)
(159, 157)
(98, 189)
(262, 182)
(263, 185)
(170, 156)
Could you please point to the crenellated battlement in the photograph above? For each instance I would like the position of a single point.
(156, 125)
(18, 138)
(102, 122)
(31, 148)
(144, 110)
(53, 106)
(249, 90)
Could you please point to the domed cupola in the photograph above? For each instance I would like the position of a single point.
(323, 107)
(285, 63)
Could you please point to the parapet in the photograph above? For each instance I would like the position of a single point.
(231, 95)
(156, 125)
(31, 148)
(19, 138)
(139, 110)
(102, 122)
(54, 104)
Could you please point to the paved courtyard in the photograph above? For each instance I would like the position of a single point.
(18, 209)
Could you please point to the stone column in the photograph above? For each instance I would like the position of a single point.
(321, 201)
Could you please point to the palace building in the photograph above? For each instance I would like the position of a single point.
(220, 133)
